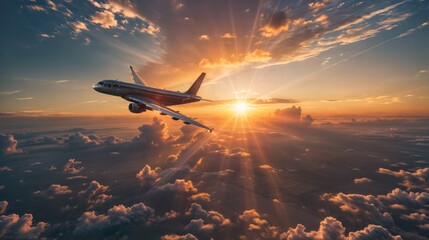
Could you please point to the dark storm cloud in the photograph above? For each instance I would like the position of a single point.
(8, 144)
(116, 216)
(15, 226)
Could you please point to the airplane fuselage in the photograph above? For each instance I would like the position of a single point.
(164, 97)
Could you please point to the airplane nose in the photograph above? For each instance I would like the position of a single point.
(96, 87)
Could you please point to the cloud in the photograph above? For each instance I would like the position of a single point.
(228, 36)
(78, 139)
(205, 221)
(105, 19)
(95, 193)
(148, 176)
(79, 26)
(411, 180)
(331, 228)
(362, 180)
(10, 92)
(8, 144)
(116, 216)
(52, 5)
(203, 37)
(292, 114)
(5, 169)
(188, 133)
(254, 222)
(24, 98)
(112, 140)
(362, 207)
(44, 35)
(14, 226)
(3, 206)
(62, 81)
(188, 236)
(179, 186)
(200, 197)
(155, 134)
(36, 8)
(73, 166)
(53, 191)
(277, 22)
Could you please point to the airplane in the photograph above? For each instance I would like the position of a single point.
(143, 97)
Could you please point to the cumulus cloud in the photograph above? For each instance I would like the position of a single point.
(362, 180)
(203, 37)
(188, 132)
(112, 140)
(203, 221)
(15, 226)
(418, 179)
(105, 19)
(8, 144)
(179, 186)
(254, 222)
(148, 176)
(331, 228)
(95, 193)
(277, 23)
(78, 139)
(155, 134)
(292, 114)
(79, 26)
(200, 197)
(54, 190)
(363, 207)
(179, 237)
(72, 166)
(116, 216)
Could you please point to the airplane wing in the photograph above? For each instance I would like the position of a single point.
(163, 109)
(136, 77)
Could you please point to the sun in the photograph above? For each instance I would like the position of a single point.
(241, 107)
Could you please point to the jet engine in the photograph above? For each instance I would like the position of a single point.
(136, 108)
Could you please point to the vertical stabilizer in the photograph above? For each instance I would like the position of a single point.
(197, 84)
(136, 77)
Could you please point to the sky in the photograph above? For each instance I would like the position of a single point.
(320, 117)
(332, 56)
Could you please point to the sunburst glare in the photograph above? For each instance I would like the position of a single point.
(241, 107)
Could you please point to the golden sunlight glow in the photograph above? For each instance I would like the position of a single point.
(241, 107)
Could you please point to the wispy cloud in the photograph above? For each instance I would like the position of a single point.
(10, 92)
(24, 98)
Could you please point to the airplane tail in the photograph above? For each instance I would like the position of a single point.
(196, 86)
